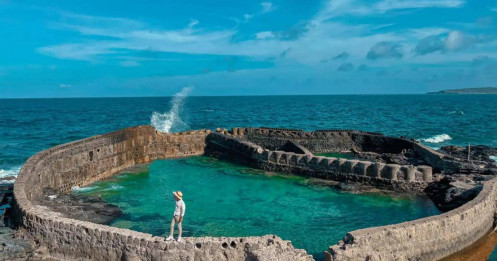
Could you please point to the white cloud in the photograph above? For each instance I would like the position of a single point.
(266, 7)
(387, 5)
(321, 38)
(455, 41)
(335, 8)
(63, 85)
(264, 35)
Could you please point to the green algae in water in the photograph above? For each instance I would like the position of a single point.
(224, 199)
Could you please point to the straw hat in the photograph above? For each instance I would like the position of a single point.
(178, 194)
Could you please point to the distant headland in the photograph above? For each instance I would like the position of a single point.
(481, 90)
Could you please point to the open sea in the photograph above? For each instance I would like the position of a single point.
(223, 198)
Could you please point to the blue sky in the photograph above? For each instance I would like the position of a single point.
(155, 48)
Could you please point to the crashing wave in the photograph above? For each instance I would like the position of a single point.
(164, 122)
(437, 138)
(12, 172)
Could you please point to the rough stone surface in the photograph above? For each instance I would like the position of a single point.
(81, 207)
(292, 146)
(13, 246)
(453, 191)
(389, 176)
(83, 162)
(429, 238)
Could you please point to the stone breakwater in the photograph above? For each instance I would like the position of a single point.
(82, 162)
(391, 176)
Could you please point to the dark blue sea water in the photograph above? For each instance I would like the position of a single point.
(30, 125)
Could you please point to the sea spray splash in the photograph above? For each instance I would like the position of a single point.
(438, 138)
(164, 122)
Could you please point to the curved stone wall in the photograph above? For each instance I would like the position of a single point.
(343, 140)
(391, 176)
(83, 162)
(430, 238)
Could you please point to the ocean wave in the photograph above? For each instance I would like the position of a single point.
(164, 122)
(112, 187)
(456, 112)
(494, 158)
(10, 172)
(437, 138)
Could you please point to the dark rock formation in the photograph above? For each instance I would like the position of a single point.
(82, 207)
(292, 146)
(477, 152)
(453, 191)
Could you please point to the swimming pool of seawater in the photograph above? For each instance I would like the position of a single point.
(225, 199)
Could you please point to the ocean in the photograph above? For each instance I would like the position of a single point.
(30, 125)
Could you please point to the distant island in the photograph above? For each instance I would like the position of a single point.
(482, 90)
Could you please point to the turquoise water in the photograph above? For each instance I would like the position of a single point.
(223, 199)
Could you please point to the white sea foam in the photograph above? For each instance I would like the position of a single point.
(494, 158)
(91, 188)
(82, 189)
(12, 172)
(456, 112)
(164, 122)
(114, 187)
(437, 138)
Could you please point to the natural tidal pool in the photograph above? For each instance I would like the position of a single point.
(225, 199)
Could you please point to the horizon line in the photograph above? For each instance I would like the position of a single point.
(199, 96)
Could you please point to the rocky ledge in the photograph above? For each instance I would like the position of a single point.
(81, 207)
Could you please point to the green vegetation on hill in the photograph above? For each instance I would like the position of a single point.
(482, 90)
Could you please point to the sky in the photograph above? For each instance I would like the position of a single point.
(226, 47)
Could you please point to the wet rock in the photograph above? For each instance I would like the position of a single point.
(453, 191)
(15, 245)
(293, 146)
(348, 186)
(82, 207)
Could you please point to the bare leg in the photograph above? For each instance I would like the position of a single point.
(171, 233)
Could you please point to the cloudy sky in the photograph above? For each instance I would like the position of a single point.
(226, 47)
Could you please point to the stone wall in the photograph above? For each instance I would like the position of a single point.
(323, 141)
(317, 142)
(391, 176)
(430, 238)
(83, 162)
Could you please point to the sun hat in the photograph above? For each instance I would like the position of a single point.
(178, 194)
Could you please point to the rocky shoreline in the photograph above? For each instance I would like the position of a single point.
(81, 207)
